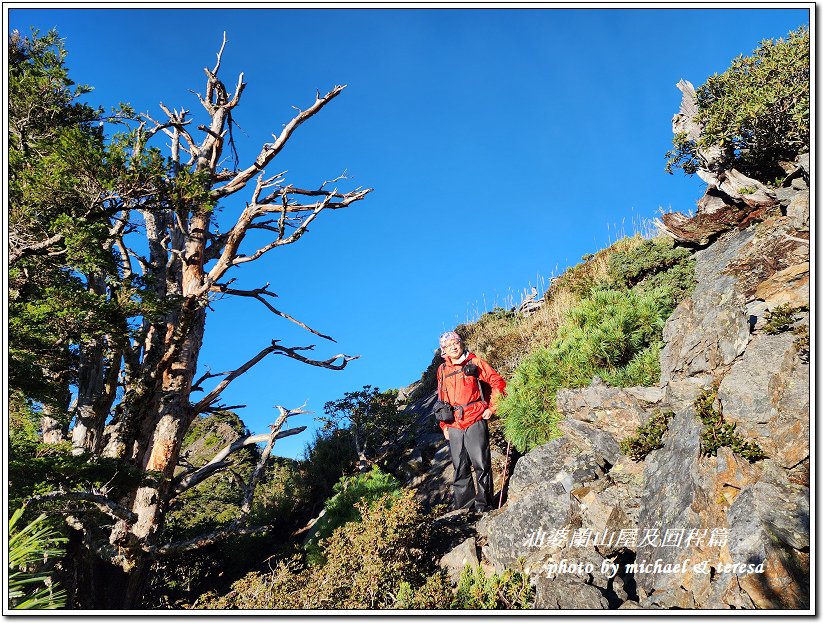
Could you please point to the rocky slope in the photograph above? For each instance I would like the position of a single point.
(681, 528)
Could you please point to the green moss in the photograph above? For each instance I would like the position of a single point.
(647, 438)
(782, 318)
(509, 590)
(718, 433)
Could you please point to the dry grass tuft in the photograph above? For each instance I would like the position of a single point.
(504, 338)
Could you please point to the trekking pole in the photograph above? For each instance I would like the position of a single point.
(506, 471)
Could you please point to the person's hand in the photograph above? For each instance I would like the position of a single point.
(446, 432)
(487, 414)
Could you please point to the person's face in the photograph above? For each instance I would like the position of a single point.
(451, 349)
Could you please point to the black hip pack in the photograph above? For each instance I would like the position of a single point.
(444, 412)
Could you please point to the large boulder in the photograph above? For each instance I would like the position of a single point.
(708, 330)
(568, 593)
(616, 411)
(575, 577)
(540, 503)
(770, 526)
(675, 494)
(766, 393)
(454, 562)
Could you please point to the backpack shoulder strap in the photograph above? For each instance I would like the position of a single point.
(441, 385)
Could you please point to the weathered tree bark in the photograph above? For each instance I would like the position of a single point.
(54, 425)
(684, 122)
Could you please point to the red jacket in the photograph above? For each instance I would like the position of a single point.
(456, 388)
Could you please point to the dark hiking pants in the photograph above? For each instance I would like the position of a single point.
(470, 446)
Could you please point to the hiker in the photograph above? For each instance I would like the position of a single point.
(462, 411)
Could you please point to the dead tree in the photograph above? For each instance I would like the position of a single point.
(186, 268)
(731, 199)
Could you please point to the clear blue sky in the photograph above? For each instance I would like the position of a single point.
(502, 145)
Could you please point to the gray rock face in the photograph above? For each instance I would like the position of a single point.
(785, 195)
(539, 501)
(614, 410)
(766, 394)
(680, 394)
(515, 530)
(770, 525)
(589, 436)
(798, 210)
(707, 331)
(672, 490)
(456, 559)
(575, 578)
(558, 461)
(776, 246)
(713, 261)
(568, 593)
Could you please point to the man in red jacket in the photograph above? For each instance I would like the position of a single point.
(459, 385)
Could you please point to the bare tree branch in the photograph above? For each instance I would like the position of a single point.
(258, 294)
(271, 150)
(299, 231)
(254, 478)
(223, 408)
(194, 476)
(207, 375)
(34, 249)
(205, 540)
(291, 352)
(219, 55)
(106, 505)
(348, 198)
(206, 401)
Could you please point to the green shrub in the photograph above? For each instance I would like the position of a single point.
(476, 590)
(380, 431)
(611, 326)
(31, 549)
(615, 334)
(654, 263)
(343, 507)
(281, 494)
(435, 593)
(528, 411)
(643, 369)
(782, 318)
(366, 563)
(330, 456)
(717, 432)
(647, 438)
(757, 111)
